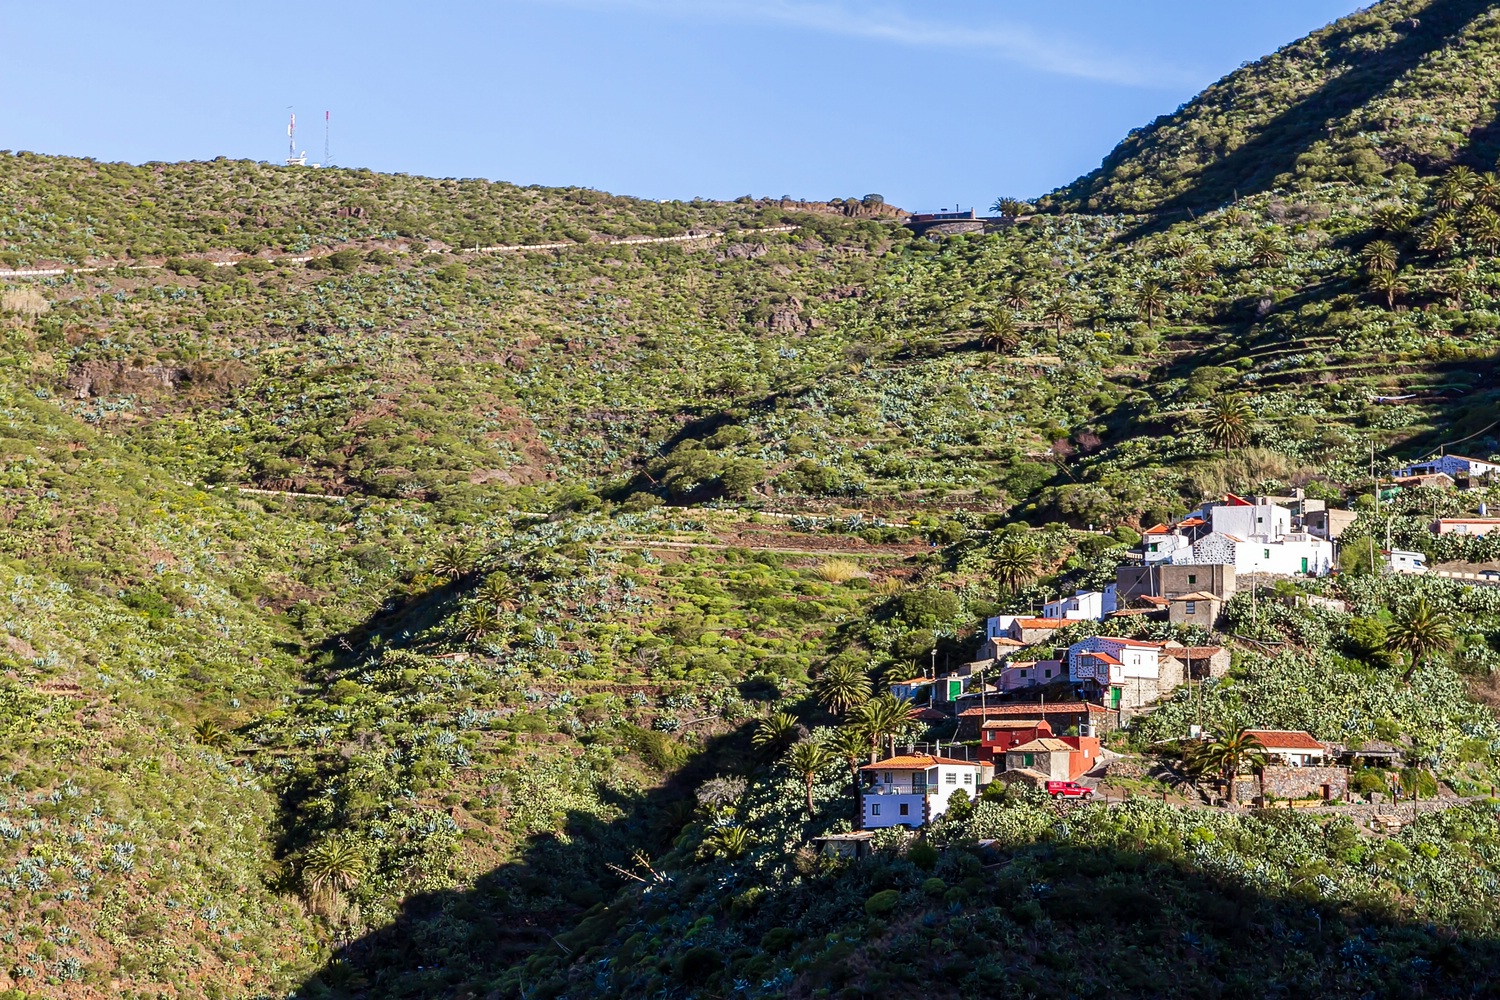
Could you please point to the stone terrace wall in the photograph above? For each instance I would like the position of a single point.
(1295, 783)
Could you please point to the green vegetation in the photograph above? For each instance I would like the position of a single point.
(391, 617)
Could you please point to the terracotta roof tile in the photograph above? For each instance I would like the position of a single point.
(1032, 708)
(1044, 745)
(916, 762)
(1284, 739)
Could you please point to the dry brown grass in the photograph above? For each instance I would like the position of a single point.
(1486, 691)
(838, 571)
(25, 302)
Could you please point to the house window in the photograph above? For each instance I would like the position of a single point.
(887, 777)
(951, 778)
(1192, 607)
(1028, 759)
(874, 808)
(1049, 673)
(905, 809)
(1192, 579)
(1268, 553)
(968, 779)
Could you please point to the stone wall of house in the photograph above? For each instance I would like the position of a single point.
(1295, 783)
(1205, 613)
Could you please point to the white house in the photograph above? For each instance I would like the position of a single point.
(1246, 519)
(1251, 536)
(1127, 673)
(914, 790)
(1292, 747)
(1161, 543)
(1400, 561)
(1086, 605)
(1476, 527)
(1291, 554)
(1456, 466)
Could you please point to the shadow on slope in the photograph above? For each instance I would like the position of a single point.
(1141, 918)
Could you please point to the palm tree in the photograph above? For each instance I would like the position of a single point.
(1389, 284)
(850, 745)
(1420, 631)
(728, 842)
(1017, 563)
(881, 717)
(499, 592)
(479, 621)
(1150, 300)
(1231, 755)
(843, 686)
(1483, 224)
(209, 733)
(1000, 333)
(453, 562)
(1394, 219)
(1455, 189)
(1458, 284)
(776, 730)
(1486, 189)
(1060, 314)
(1441, 235)
(1179, 247)
(332, 867)
(807, 758)
(1229, 423)
(1197, 271)
(1380, 257)
(1268, 249)
(1014, 295)
(1010, 208)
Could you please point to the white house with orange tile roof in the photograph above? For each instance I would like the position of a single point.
(913, 789)
(1290, 746)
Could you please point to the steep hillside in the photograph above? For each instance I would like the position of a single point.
(1402, 85)
(390, 617)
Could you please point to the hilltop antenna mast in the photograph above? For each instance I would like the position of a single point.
(292, 159)
(327, 132)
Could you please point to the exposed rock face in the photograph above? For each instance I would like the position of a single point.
(743, 251)
(120, 378)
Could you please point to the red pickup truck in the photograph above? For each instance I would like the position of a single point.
(1068, 790)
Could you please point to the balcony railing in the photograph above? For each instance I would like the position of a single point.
(900, 789)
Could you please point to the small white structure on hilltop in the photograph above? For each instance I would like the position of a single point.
(914, 789)
(1086, 605)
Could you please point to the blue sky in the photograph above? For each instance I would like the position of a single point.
(928, 102)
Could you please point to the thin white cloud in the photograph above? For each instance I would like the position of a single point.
(1010, 42)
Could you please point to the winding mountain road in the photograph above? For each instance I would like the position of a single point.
(630, 241)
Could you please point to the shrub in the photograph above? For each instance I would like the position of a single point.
(698, 965)
(882, 902)
(838, 571)
(923, 855)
